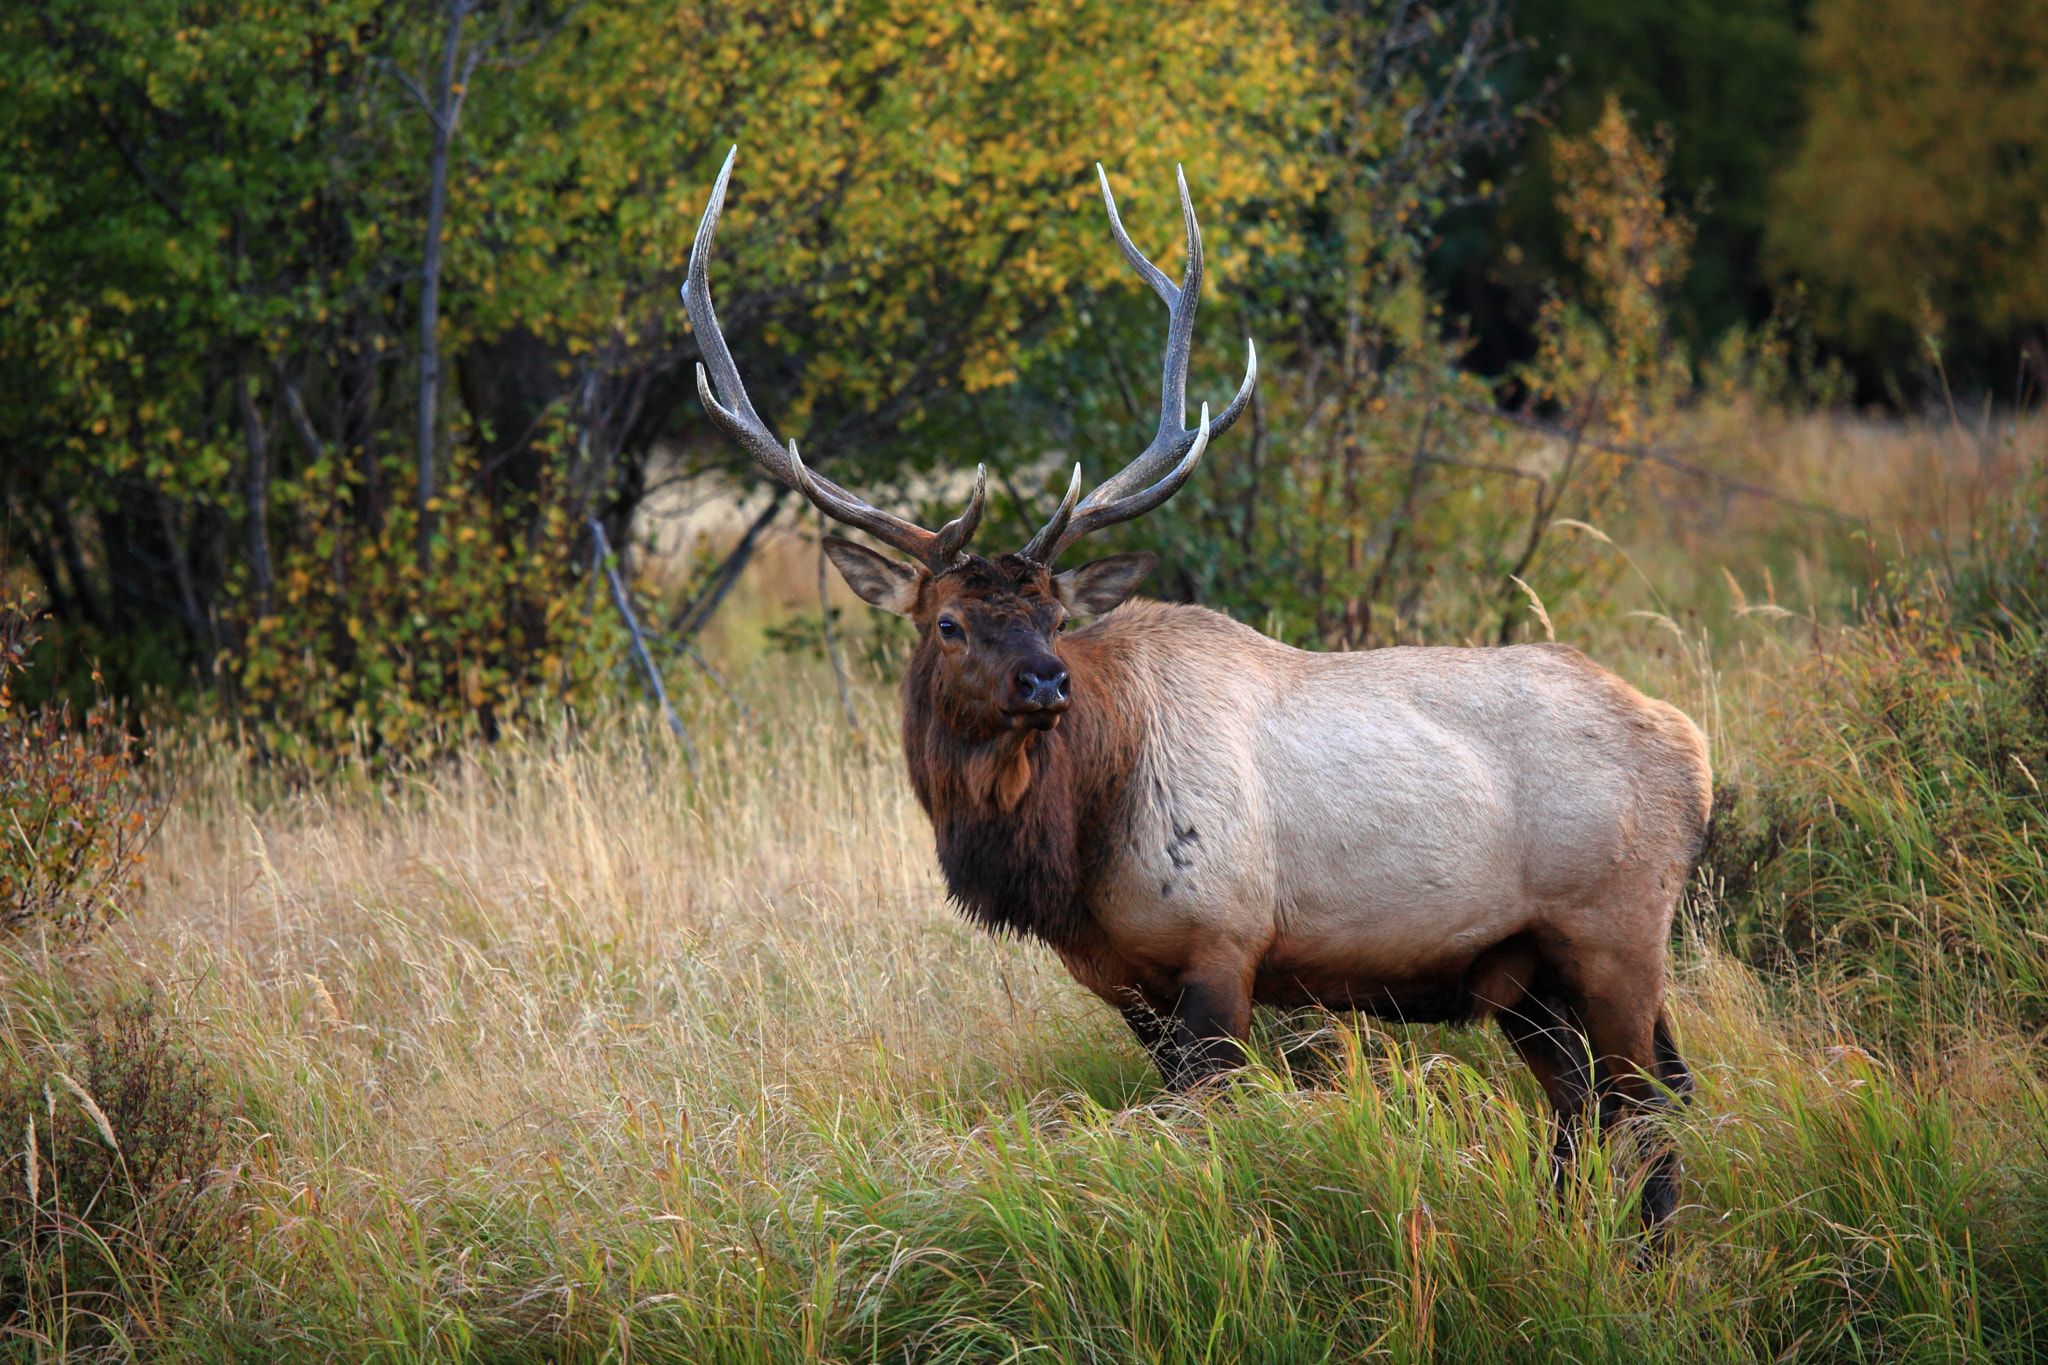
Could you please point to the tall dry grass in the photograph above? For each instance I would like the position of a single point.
(561, 1051)
(556, 1053)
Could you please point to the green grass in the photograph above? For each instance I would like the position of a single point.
(1893, 844)
(1838, 1212)
(557, 1053)
(576, 1123)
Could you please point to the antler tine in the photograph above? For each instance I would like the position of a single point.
(937, 549)
(1041, 546)
(1173, 451)
(952, 538)
(1087, 518)
(740, 421)
(1170, 442)
(1141, 263)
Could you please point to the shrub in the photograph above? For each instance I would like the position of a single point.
(107, 1212)
(2003, 576)
(74, 811)
(1388, 499)
(386, 665)
(1895, 848)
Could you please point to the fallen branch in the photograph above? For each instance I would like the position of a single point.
(1653, 455)
(825, 625)
(625, 606)
(692, 619)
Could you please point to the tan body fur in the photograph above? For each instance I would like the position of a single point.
(1363, 830)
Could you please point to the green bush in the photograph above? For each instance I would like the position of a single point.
(1895, 846)
(74, 811)
(2002, 581)
(108, 1211)
(385, 665)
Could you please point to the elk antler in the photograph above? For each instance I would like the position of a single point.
(1173, 451)
(937, 549)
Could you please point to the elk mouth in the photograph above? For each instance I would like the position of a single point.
(1035, 717)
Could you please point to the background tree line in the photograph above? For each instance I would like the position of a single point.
(329, 328)
(1875, 165)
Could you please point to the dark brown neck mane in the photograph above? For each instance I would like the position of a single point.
(1024, 820)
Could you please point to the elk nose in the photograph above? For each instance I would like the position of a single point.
(1042, 683)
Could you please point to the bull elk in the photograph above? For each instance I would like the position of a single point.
(1198, 819)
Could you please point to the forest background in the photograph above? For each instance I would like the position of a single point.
(400, 962)
(329, 329)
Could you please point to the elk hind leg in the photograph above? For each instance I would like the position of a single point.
(1672, 1072)
(1641, 1077)
(1543, 1029)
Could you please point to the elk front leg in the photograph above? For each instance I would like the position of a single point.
(1149, 1026)
(1186, 1057)
(1202, 1037)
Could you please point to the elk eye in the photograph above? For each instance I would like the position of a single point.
(949, 629)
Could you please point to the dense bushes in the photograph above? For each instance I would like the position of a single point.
(1894, 842)
(222, 459)
(2001, 582)
(109, 1212)
(1380, 495)
(110, 1124)
(74, 812)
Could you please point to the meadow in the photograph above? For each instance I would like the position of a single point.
(564, 1049)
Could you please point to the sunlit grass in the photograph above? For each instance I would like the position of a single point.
(555, 1053)
(559, 1051)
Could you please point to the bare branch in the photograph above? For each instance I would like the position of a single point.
(1658, 456)
(624, 603)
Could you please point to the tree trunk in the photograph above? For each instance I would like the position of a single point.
(442, 114)
(257, 492)
(74, 565)
(196, 616)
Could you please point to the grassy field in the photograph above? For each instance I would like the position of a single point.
(561, 1052)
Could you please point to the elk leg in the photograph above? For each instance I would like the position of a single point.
(1203, 1038)
(1541, 1029)
(1675, 1086)
(1185, 1058)
(1149, 1025)
(1672, 1072)
(1639, 1066)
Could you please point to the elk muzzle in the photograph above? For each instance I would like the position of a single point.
(1039, 693)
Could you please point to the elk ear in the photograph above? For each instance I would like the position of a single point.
(878, 581)
(1096, 588)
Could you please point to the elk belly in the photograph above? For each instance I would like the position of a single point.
(1438, 805)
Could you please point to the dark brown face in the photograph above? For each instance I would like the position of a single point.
(988, 635)
(988, 658)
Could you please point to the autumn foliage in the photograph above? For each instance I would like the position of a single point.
(216, 239)
(76, 812)
(1918, 198)
(215, 222)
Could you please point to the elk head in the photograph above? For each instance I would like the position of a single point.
(988, 629)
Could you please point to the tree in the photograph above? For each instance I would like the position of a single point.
(1723, 78)
(1918, 199)
(1323, 518)
(167, 220)
(215, 294)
